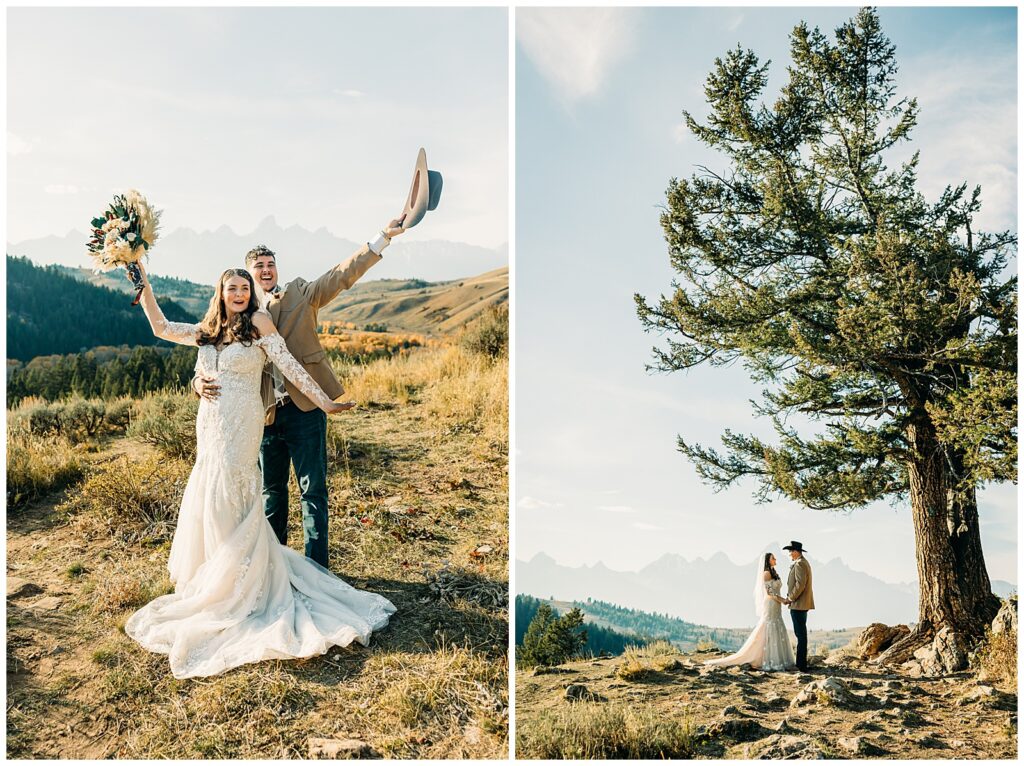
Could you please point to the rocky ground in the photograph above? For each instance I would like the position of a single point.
(847, 708)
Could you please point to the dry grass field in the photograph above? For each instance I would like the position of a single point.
(442, 307)
(418, 497)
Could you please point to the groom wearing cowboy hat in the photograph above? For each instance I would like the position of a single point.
(800, 599)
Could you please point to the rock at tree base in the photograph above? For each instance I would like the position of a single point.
(340, 748)
(1005, 621)
(878, 637)
(947, 653)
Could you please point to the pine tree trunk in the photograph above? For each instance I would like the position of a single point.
(954, 595)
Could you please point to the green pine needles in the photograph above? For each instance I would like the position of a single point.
(885, 319)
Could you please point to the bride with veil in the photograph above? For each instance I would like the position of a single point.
(767, 647)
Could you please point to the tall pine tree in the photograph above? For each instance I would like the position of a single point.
(885, 319)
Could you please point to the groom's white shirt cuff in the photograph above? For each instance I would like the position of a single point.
(378, 245)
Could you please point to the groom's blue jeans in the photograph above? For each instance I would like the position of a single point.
(800, 630)
(299, 438)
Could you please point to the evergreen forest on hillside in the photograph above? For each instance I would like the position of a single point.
(50, 312)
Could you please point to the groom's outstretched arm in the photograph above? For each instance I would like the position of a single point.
(324, 289)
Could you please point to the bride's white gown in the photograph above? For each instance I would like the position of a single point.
(240, 596)
(767, 647)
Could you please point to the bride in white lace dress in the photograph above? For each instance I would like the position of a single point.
(767, 647)
(240, 596)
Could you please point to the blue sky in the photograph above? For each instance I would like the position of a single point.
(227, 115)
(599, 134)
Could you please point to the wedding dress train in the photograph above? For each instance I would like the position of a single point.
(240, 596)
(767, 647)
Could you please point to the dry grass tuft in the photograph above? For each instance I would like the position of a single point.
(605, 730)
(38, 465)
(639, 662)
(131, 500)
(120, 590)
(462, 391)
(450, 584)
(445, 691)
(660, 648)
(996, 660)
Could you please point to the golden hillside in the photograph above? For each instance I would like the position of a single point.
(417, 306)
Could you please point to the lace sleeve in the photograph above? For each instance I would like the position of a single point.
(180, 332)
(176, 332)
(276, 350)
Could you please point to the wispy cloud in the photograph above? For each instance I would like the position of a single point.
(734, 21)
(533, 503)
(646, 527)
(17, 145)
(61, 189)
(617, 508)
(575, 48)
(968, 110)
(350, 92)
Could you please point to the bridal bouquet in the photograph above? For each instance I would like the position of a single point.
(123, 234)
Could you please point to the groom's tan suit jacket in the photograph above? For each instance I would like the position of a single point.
(294, 311)
(800, 592)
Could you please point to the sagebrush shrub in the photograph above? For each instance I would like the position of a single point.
(167, 420)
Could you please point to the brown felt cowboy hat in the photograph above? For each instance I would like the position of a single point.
(424, 194)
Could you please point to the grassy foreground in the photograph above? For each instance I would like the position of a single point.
(418, 498)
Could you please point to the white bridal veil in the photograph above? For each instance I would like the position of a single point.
(760, 592)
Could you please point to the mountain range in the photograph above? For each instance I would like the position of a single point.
(717, 592)
(202, 256)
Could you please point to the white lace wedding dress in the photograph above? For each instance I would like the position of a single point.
(240, 596)
(767, 647)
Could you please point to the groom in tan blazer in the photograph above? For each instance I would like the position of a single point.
(295, 429)
(800, 598)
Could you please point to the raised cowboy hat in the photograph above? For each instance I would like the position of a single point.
(794, 546)
(424, 194)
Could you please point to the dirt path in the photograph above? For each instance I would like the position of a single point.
(52, 683)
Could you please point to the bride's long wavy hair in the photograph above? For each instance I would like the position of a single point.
(215, 327)
(768, 567)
